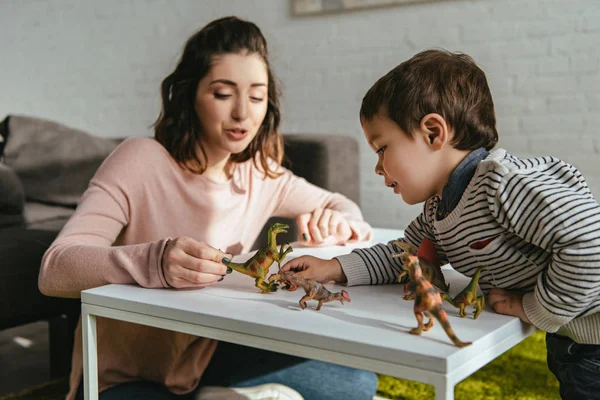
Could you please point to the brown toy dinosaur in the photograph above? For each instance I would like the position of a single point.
(428, 301)
(468, 296)
(429, 261)
(258, 266)
(314, 290)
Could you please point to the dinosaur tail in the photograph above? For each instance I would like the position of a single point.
(477, 274)
(442, 317)
(237, 267)
(448, 298)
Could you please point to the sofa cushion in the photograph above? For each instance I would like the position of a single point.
(12, 197)
(21, 251)
(53, 161)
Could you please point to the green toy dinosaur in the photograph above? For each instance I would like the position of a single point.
(258, 266)
(468, 296)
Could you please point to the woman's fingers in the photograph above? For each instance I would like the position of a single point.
(187, 263)
(323, 223)
(302, 223)
(185, 277)
(203, 251)
(313, 225)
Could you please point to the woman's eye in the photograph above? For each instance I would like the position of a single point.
(380, 150)
(256, 99)
(222, 96)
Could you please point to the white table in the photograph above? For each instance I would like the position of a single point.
(370, 333)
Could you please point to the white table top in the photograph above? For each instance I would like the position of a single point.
(374, 325)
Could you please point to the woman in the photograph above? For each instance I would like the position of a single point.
(170, 212)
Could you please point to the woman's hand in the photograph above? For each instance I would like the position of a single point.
(508, 302)
(189, 263)
(323, 226)
(316, 268)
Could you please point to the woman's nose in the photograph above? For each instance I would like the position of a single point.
(240, 111)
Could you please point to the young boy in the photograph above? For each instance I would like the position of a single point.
(532, 222)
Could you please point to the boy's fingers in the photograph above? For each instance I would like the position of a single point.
(297, 264)
(497, 295)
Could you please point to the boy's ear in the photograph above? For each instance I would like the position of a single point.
(435, 130)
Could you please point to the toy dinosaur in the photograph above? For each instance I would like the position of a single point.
(468, 296)
(258, 266)
(428, 301)
(429, 261)
(314, 289)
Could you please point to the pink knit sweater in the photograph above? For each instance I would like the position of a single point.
(138, 198)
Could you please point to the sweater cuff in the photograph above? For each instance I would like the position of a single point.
(355, 269)
(160, 271)
(539, 316)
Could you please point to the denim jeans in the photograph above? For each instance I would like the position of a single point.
(240, 366)
(576, 366)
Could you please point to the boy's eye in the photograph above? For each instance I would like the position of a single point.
(222, 96)
(380, 150)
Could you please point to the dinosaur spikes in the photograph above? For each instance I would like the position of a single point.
(428, 252)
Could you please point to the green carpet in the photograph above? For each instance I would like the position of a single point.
(519, 374)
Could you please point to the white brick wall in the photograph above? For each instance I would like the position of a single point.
(97, 66)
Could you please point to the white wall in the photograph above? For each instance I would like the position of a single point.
(97, 65)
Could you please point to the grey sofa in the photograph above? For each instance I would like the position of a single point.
(45, 167)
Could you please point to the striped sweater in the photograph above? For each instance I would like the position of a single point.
(536, 226)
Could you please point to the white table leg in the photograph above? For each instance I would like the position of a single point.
(444, 390)
(90, 355)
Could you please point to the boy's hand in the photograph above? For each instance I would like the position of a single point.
(323, 226)
(508, 302)
(316, 268)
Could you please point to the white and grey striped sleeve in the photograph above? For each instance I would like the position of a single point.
(376, 265)
(550, 206)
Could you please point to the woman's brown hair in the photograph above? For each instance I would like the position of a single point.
(177, 127)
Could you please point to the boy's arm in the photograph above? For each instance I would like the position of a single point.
(552, 208)
(376, 265)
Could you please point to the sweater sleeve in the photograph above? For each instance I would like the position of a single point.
(551, 207)
(296, 196)
(83, 255)
(377, 265)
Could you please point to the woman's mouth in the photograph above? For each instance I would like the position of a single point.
(236, 133)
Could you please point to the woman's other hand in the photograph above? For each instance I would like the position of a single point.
(323, 226)
(189, 263)
(316, 268)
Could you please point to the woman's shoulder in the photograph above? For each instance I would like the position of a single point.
(134, 156)
(136, 150)
(256, 168)
(141, 145)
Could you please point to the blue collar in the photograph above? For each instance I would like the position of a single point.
(458, 182)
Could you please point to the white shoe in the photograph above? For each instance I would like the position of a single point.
(267, 391)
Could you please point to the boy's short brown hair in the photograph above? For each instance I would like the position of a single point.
(437, 81)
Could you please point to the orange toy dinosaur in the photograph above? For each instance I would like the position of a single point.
(314, 290)
(428, 301)
(429, 262)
